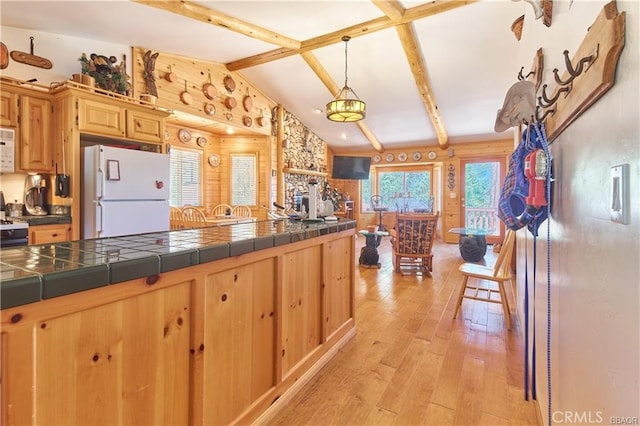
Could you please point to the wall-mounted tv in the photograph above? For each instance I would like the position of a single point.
(345, 167)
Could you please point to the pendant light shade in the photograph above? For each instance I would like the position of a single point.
(346, 106)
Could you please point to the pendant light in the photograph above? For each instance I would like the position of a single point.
(346, 106)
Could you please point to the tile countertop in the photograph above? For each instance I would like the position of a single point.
(43, 220)
(32, 273)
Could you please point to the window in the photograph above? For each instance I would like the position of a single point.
(186, 177)
(244, 182)
(403, 189)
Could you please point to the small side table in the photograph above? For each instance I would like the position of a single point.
(369, 255)
(473, 244)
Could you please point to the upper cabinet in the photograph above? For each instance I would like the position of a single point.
(8, 109)
(35, 134)
(120, 120)
(30, 114)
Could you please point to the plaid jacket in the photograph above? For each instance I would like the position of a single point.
(512, 209)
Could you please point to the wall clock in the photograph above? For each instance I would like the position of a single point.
(432, 155)
(201, 141)
(389, 157)
(184, 135)
(214, 160)
(377, 158)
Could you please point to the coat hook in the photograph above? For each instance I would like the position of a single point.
(550, 101)
(544, 116)
(585, 63)
(524, 77)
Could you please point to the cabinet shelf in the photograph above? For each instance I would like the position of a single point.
(303, 172)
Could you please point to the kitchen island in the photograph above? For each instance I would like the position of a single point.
(204, 326)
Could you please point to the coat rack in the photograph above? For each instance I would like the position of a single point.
(587, 76)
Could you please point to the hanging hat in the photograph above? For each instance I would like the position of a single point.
(519, 106)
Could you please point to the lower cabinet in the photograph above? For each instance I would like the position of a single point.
(54, 233)
(215, 343)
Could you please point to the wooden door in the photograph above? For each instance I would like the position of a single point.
(481, 181)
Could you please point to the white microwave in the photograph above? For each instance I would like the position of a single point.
(7, 150)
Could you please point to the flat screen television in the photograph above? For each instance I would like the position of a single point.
(345, 167)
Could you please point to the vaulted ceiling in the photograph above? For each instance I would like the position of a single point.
(432, 73)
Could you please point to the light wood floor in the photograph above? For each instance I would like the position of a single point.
(412, 364)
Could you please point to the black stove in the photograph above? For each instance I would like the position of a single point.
(13, 233)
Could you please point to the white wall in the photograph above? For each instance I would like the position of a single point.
(595, 272)
(63, 51)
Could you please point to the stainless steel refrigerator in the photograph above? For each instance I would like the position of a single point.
(124, 191)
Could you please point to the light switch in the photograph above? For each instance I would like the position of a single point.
(619, 202)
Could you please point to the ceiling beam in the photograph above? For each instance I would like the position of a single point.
(213, 17)
(421, 77)
(392, 8)
(323, 75)
(374, 25)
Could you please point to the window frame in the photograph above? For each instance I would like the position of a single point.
(256, 156)
(375, 180)
(200, 185)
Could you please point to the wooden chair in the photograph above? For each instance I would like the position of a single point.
(499, 273)
(241, 211)
(193, 217)
(220, 210)
(175, 218)
(412, 241)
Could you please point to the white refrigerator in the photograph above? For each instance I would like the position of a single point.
(124, 192)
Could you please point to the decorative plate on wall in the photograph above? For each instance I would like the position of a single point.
(184, 135)
(431, 155)
(214, 160)
(402, 157)
(389, 157)
(201, 141)
(377, 158)
(416, 156)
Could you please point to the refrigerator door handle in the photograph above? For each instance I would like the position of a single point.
(100, 184)
(99, 226)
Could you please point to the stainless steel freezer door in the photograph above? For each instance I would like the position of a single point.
(115, 218)
(126, 174)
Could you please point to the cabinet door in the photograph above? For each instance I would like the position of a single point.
(339, 260)
(144, 126)
(35, 134)
(8, 109)
(43, 234)
(101, 118)
(240, 330)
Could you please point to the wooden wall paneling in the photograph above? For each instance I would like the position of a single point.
(195, 73)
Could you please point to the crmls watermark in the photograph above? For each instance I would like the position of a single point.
(578, 417)
(590, 417)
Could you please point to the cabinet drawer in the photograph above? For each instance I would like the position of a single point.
(42, 234)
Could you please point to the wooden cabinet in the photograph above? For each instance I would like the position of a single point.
(215, 343)
(240, 327)
(30, 113)
(144, 126)
(8, 108)
(121, 359)
(36, 149)
(54, 233)
(101, 118)
(119, 120)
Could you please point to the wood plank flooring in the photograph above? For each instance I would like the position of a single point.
(411, 363)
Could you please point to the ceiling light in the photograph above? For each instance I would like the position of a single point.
(346, 106)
